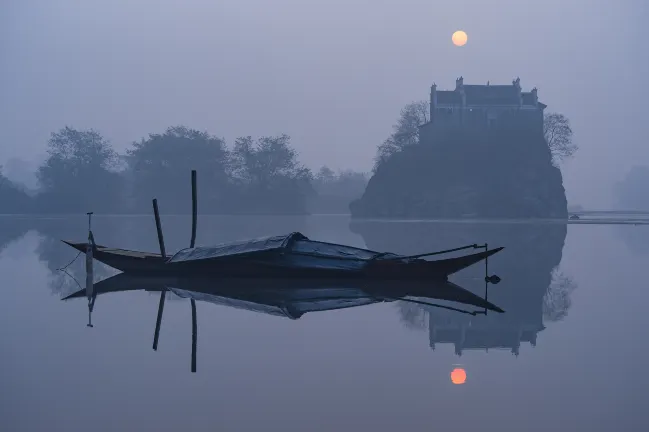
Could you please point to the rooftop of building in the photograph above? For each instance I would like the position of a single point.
(488, 94)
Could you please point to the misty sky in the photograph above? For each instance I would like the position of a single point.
(333, 74)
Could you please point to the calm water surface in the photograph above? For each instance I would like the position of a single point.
(570, 353)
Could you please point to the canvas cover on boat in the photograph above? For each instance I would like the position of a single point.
(230, 302)
(263, 244)
(331, 250)
(294, 245)
(285, 303)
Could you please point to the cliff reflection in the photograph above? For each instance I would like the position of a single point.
(533, 290)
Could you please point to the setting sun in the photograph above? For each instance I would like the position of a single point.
(459, 38)
(458, 376)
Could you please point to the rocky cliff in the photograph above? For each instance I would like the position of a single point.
(506, 174)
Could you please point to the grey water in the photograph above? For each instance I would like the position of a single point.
(570, 353)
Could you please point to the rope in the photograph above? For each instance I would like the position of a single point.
(473, 246)
(474, 313)
(69, 264)
(64, 270)
(73, 278)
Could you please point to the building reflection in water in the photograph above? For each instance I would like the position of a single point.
(533, 291)
(487, 333)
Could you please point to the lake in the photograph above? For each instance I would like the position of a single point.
(570, 353)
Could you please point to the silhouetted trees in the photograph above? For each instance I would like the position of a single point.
(336, 190)
(84, 173)
(405, 131)
(159, 166)
(78, 174)
(268, 177)
(343, 183)
(558, 135)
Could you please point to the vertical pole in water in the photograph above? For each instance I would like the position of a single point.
(161, 304)
(90, 276)
(194, 334)
(486, 276)
(192, 243)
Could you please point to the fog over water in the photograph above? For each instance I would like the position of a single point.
(368, 367)
(317, 85)
(332, 74)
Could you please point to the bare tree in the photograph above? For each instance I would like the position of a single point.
(405, 131)
(556, 300)
(558, 135)
(413, 316)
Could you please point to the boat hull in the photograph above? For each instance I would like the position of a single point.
(285, 266)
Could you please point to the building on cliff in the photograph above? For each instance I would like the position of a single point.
(481, 108)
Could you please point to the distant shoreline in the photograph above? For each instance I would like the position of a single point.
(582, 221)
(60, 215)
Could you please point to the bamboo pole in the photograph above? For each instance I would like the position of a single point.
(90, 274)
(158, 226)
(192, 244)
(161, 303)
(194, 209)
(194, 335)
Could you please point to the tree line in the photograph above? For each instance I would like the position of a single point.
(83, 172)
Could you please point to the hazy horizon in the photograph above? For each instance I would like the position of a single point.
(331, 74)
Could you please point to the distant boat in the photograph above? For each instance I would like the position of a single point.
(574, 217)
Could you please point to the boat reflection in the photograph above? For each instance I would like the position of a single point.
(293, 297)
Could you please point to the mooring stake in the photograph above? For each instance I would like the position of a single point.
(194, 334)
(90, 276)
(486, 277)
(192, 243)
(161, 304)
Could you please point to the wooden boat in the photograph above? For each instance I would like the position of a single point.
(287, 275)
(285, 256)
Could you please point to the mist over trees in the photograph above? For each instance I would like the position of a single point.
(335, 190)
(631, 192)
(159, 166)
(83, 172)
(78, 173)
(12, 198)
